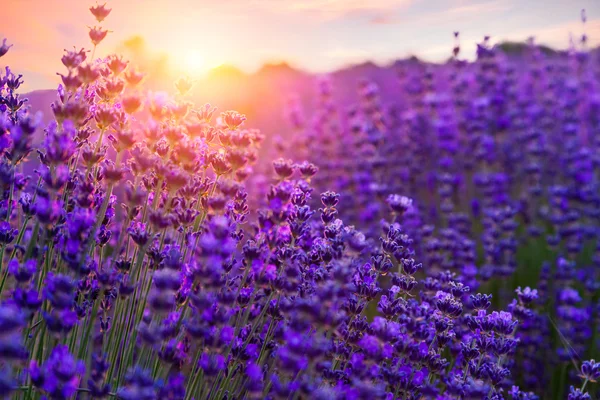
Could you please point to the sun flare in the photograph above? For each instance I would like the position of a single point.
(194, 61)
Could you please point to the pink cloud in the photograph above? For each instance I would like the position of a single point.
(465, 11)
(332, 9)
(384, 19)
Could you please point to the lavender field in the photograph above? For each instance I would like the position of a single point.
(417, 230)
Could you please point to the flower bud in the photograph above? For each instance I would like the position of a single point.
(100, 12)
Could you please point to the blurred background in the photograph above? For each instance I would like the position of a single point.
(253, 55)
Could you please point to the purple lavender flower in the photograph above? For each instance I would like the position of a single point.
(7, 233)
(5, 47)
(138, 385)
(590, 370)
(59, 375)
(577, 394)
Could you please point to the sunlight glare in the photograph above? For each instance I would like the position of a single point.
(194, 61)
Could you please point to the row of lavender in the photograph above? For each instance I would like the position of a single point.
(136, 266)
(501, 160)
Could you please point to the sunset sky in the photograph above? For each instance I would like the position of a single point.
(316, 35)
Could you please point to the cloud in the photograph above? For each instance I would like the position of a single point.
(345, 6)
(465, 10)
(384, 19)
(334, 9)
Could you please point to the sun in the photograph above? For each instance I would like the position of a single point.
(194, 61)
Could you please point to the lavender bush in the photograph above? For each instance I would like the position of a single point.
(136, 265)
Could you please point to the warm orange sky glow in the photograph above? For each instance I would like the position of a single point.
(191, 36)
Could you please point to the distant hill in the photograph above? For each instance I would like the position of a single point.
(40, 100)
(226, 71)
(263, 95)
(519, 49)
